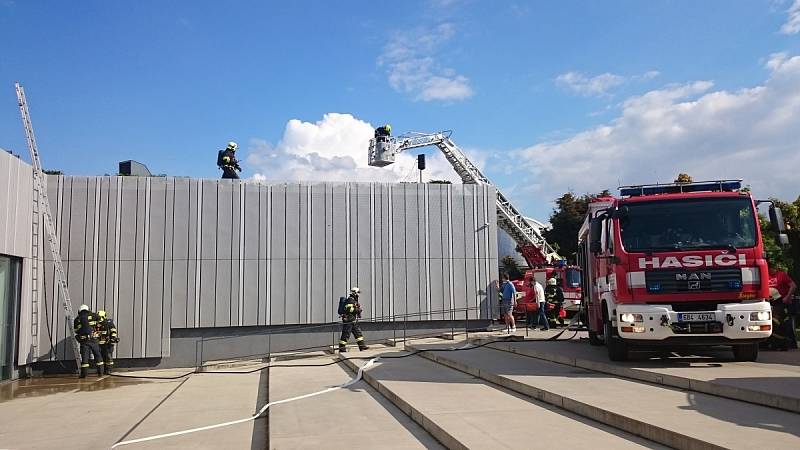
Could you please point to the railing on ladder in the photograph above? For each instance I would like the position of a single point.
(41, 206)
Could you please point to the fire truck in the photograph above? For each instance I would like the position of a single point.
(568, 278)
(676, 265)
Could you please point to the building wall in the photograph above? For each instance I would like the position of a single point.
(16, 185)
(16, 197)
(169, 253)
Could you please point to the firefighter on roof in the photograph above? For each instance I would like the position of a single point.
(226, 160)
(107, 337)
(86, 334)
(350, 310)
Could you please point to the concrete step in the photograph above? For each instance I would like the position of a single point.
(670, 416)
(463, 412)
(352, 418)
(773, 381)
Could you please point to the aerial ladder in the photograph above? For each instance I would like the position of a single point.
(41, 208)
(530, 243)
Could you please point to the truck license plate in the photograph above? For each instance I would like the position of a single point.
(696, 317)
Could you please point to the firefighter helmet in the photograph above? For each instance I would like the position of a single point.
(388, 128)
(774, 294)
(232, 146)
(355, 290)
(552, 282)
(83, 308)
(102, 314)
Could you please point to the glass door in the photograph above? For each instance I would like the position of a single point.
(9, 299)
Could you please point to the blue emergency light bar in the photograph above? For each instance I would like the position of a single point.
(677, 188)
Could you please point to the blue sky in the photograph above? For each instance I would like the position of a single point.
(546, 96)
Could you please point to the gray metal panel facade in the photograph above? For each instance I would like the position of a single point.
(166, 253)
(16, 198)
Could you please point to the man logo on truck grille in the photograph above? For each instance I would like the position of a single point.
(694, 285)
(693, 276)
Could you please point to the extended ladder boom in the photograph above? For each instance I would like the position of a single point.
(533, 246)
(41, 202)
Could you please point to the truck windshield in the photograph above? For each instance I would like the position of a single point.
(688, 224)
(573, 278)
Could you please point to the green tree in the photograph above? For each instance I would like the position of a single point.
(683, 178)
(567, 219)
(788, 257)
(510, 266)
(780, 257)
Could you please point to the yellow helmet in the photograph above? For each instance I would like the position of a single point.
(388, 128)
(102, 314)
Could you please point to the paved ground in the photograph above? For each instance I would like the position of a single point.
(773, 380)
(675, 416)
(67, 413)
(352, 418)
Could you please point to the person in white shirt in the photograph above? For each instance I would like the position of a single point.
(541, 300)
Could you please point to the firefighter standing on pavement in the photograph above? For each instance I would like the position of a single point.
(555, 295)
(350, 315)
(226, 160)
(107, 332)
(86, 334)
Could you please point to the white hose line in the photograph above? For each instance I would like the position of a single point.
(355, 379)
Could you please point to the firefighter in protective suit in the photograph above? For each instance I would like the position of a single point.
(85, 326)
(107, 337)
(226, 160)
(384, 131)
(555, 295)
(350, 315)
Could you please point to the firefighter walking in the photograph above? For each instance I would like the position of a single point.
(226, 160)
(107, 337)
(350, 310)
(86, 333)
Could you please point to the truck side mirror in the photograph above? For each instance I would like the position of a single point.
(776, 219)
(595, 233)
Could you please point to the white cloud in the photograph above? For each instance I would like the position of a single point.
(598, 85)
(333, 149)
(412, 63)
(581, 84)
(649, 75)
(750, 134)
(792, 25)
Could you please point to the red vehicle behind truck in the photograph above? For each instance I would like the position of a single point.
(567, 276)
(675, 265)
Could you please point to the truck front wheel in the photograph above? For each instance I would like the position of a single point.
(617, 348)
(745, 352)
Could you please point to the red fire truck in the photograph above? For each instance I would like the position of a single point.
(567, 276)
(676, 265)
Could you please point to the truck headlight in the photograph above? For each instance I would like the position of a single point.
(760, 315)
(630, 318)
